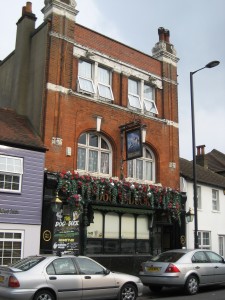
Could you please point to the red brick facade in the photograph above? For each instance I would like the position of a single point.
(68, 114)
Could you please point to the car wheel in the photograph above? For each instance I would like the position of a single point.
(128, 292)
(44, 295)
(191, 285)
(155, 288)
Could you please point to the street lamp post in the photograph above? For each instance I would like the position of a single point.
(212, 64)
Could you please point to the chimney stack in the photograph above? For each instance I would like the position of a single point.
(200, 157)
(164, 34)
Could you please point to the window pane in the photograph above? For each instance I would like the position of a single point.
(134, 101)
(104, 145)
(95, 229)
(103, 76)
(81, 158)
(127, 227)
(148, 92)
(132, 86)
(86, 85)
(142, 227)
(93, 140)
(82, 139)
(104, 163)
(139, 169)
(85, 69)
(148, 166)
(111, 231)
(111, 246)
(93, 161)
(130, 168)
(105, 91)
(150, 107)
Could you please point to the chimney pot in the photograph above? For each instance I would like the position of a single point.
(167, 35)
(161, 32)
(27, 8)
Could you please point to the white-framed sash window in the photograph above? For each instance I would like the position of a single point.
(11, 172)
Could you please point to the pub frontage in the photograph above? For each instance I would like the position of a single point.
(110, 220)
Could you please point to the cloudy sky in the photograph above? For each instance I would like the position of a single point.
(197, 30)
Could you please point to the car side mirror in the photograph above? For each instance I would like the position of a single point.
(106, 271)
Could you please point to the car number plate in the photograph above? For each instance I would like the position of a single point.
(153, 269)
(1, 278)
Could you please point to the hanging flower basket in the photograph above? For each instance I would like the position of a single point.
(75, 202)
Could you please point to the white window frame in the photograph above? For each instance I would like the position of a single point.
(99, 150)
(6, 240)
(145, 160)
(92, 82)
(199, 198)
(105, 85)
(202, 238)
(138, 101)
(11, 170)
(222, 245)
(215, 200)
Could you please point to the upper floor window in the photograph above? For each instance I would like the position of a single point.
(94, 80)
(142, 168)
(199, 200)
(11, 171)
(141, 96)
(215, 200)
(94, 154)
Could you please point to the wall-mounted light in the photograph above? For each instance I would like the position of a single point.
(56, 204)
(190, 215)
(143, 133)
(68, 151)
(98, 123)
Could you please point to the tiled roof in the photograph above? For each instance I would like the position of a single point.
(216, 161)
(203, 175)
(16, 131)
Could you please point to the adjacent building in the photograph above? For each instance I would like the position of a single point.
(22, 159)
(210, 197)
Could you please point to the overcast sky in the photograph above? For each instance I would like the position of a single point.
(197, 31)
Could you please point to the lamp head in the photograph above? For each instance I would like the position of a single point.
(212, 64)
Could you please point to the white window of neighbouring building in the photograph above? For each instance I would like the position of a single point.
(95, 80)
(11, 246)
(215, 200)
(142, 168)
(141, 97)
(11, 171)
(204, 240)
(222, 245)
(94, 154)
(199, 199)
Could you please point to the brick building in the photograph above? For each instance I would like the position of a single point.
(96, 103)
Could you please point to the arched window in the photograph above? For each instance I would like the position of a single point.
(94, 154)
(142, 168)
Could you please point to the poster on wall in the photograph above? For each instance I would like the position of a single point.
(66, 231)
(133, 144)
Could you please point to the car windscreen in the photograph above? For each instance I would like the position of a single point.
(168, 257)
(27, 263)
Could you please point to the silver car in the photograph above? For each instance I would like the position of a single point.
(65, 278)
(185, 268)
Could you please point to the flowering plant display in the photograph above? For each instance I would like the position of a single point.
(82, 189)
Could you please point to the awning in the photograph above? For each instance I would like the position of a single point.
(127, 210)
